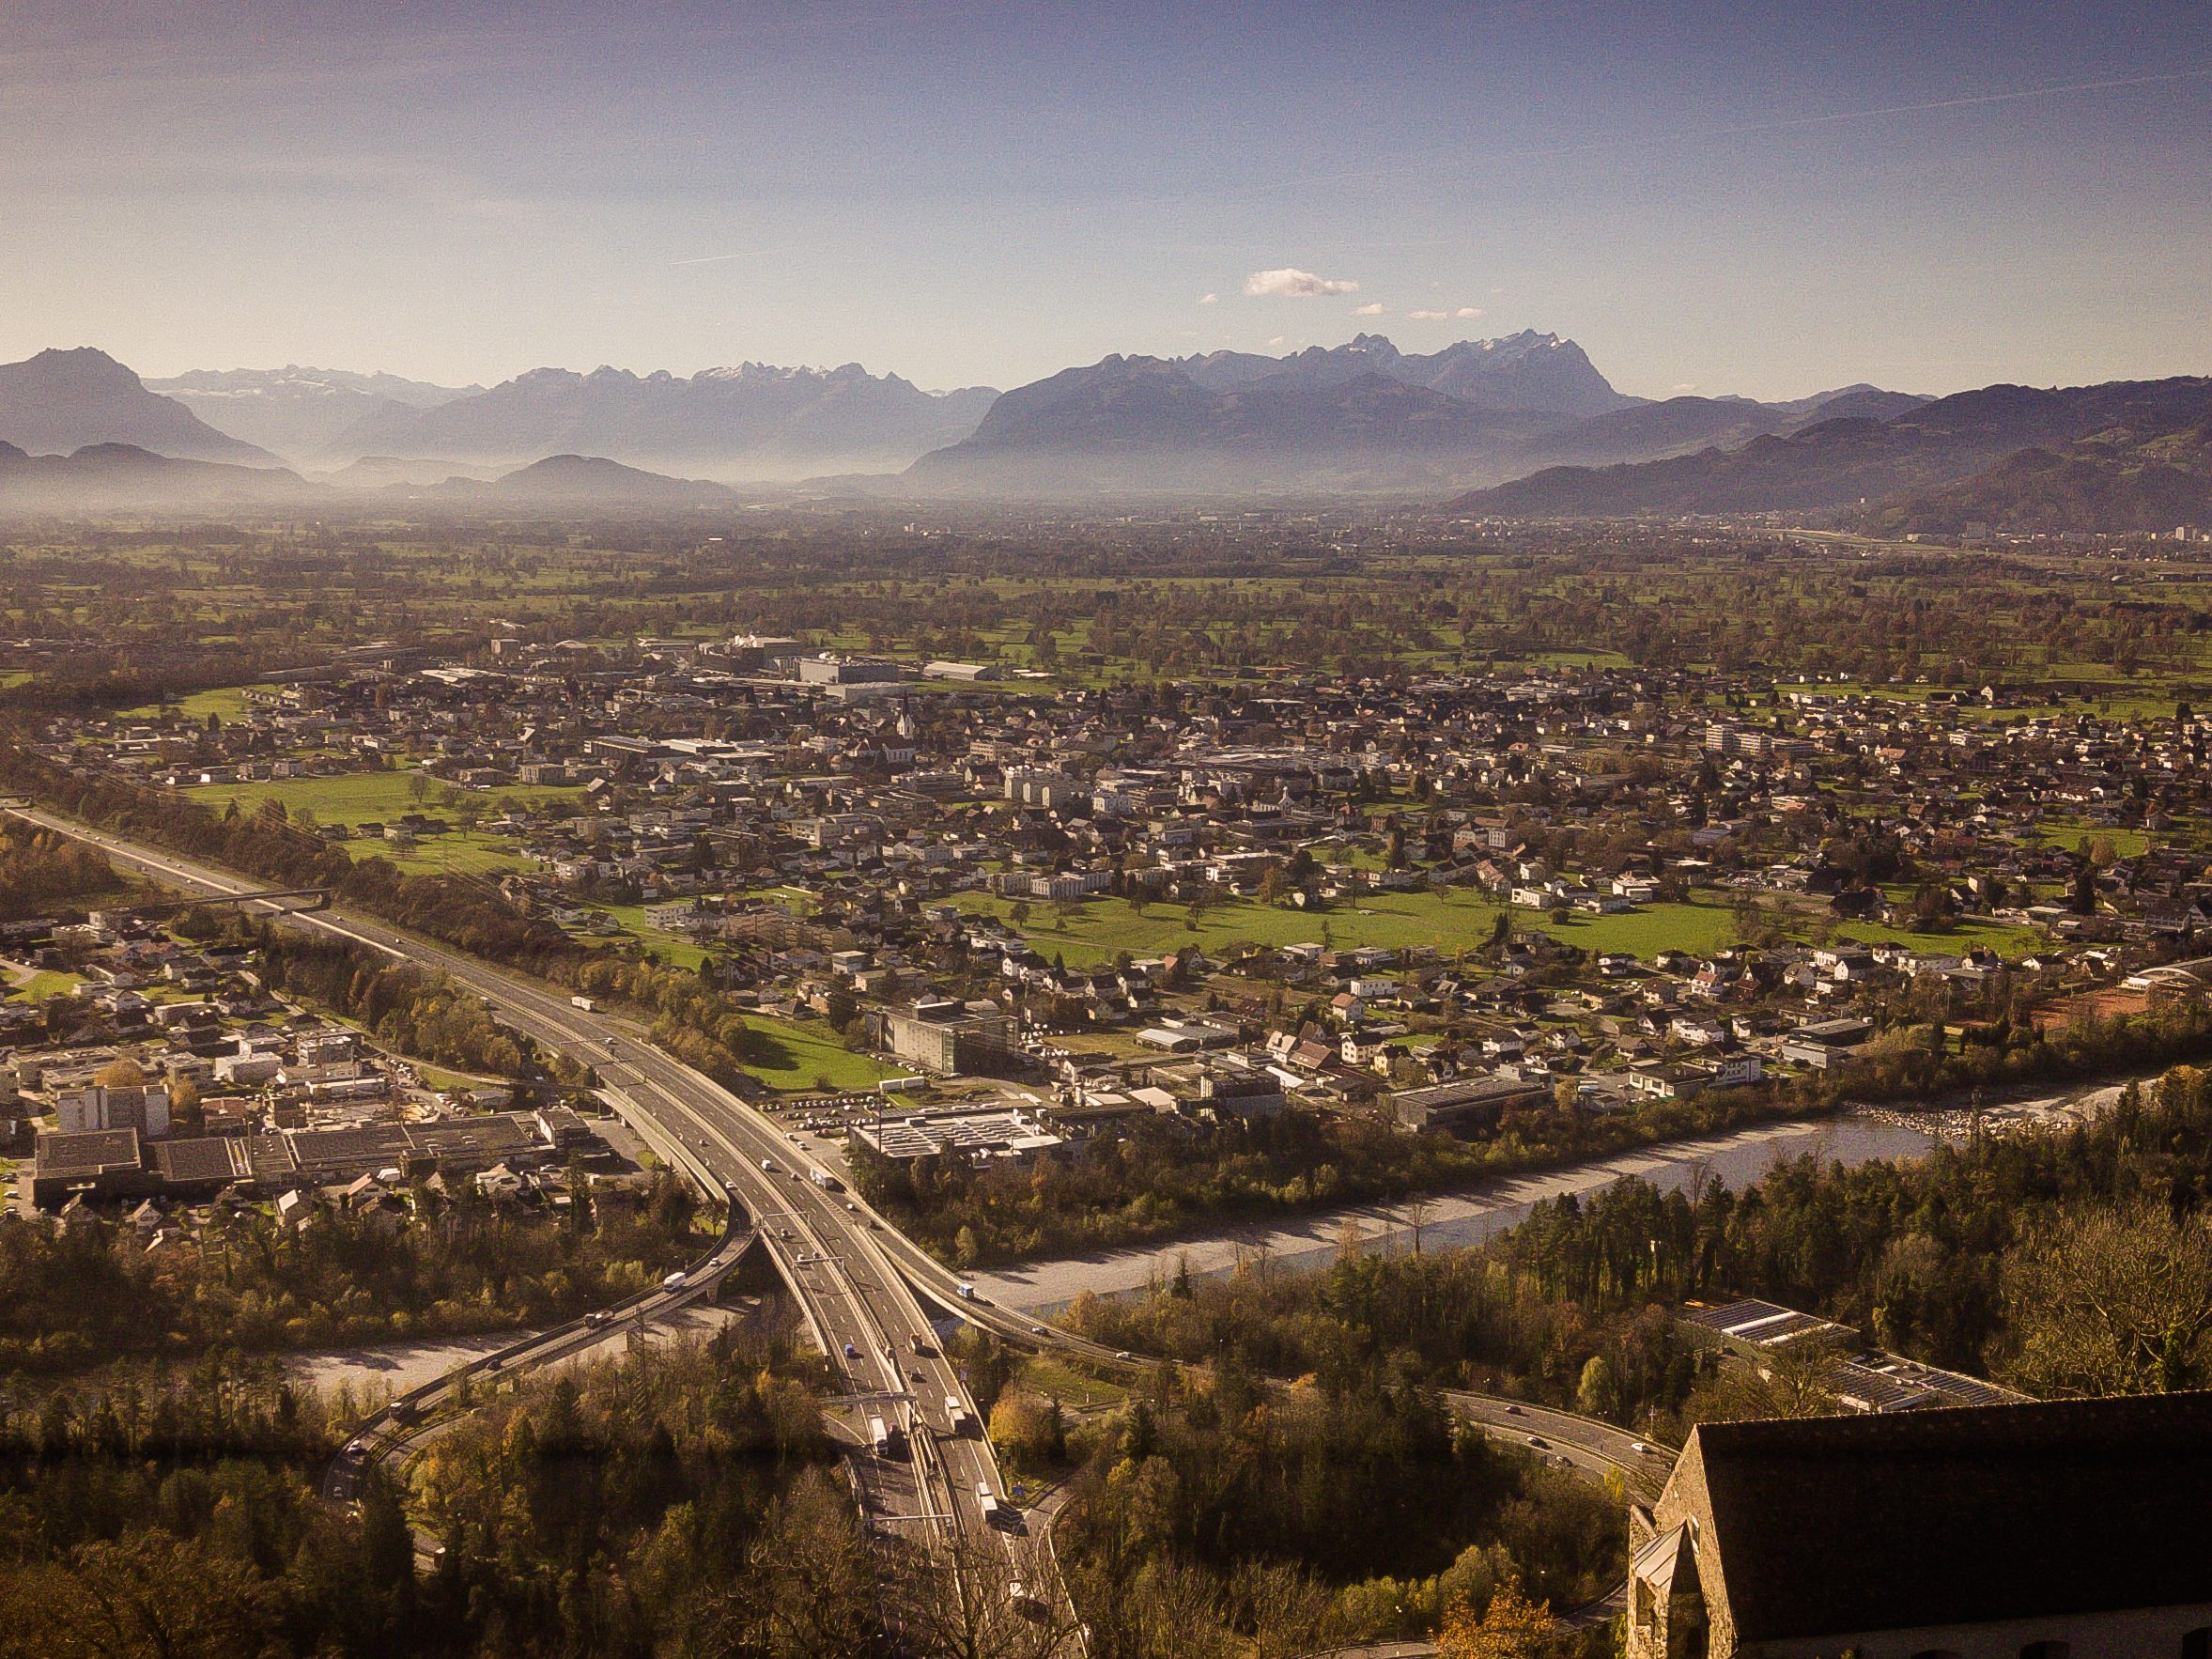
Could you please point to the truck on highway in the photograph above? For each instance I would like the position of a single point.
(585, 1004)
(883, 1437)
(827, 1182)
(675, 1282)
(955, 1415)
(986, 1500)
(966, 1291)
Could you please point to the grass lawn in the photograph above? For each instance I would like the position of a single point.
(670, 947)
(1050, 1375)
(462, 852)
(1095, 931)
(1700, 929)
(810, 1055)
(2003, 938)
(45, 984)
(382, 798)
(225, 702)
(354, 797)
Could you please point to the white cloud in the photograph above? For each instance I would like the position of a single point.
(1290, 284)
(1428, 316)
(1209, 298)
(1468, 313)
(1374, 308)
(1685, 386)
(1277, 339)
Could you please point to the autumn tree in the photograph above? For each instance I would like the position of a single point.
(2113, 1300)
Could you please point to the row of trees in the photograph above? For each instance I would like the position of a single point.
(1165, 1176)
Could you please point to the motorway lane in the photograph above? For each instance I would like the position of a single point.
(851, 1293)
(863, 1274)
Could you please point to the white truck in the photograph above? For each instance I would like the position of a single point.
(826, 1182)
(955, 1417)
(986, 1500)
(583, 1003)
(675, 1282)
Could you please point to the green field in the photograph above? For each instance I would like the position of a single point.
(383, 798)
(670, 947)
(44, 983)
(812, 1054)
(1097, 931)
(225, 702)
(1972, 931)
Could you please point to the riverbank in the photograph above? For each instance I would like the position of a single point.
(1450, 1220)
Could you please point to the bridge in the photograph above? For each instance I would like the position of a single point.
(319, 897)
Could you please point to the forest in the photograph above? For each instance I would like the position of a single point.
(94, 1292)
(2078, 1263)
(1230, 1518)
(678, 1502)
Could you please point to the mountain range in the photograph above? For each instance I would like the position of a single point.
(1849, 462)
(1360, 416)
(752, 422)
(123, 478)
(1528, 421)
(303, 414)
(64, 400)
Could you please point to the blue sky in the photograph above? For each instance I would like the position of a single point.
(1765, 199)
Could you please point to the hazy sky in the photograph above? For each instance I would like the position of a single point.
(1766, 198)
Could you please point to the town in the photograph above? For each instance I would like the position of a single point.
(971, 912)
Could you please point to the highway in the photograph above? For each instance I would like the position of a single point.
(940, 1490)
(414, 1419)
(859, 1282)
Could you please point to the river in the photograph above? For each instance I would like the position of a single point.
(1446, 1220)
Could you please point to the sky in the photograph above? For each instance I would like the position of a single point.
(1762, 199)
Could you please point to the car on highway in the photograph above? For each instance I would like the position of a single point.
(1539, 1441)
(1038, 1330)
(769, 1165)
(1643, 1446)
(1514, 1411)
(851, 1352)
(355, 1448)
(1124, 1355)
(597, 1319)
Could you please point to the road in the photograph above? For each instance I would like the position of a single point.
(859, 1282)
(414, 1419)
(940, 1489)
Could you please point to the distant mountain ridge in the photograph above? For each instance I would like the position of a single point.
(752, 422)
(64, 400)
(301, 414)
(1527, 371)
(1361, 417)
(2137, 476)
(1842, 461)
(121, 478)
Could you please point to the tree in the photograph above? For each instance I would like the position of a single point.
(1597, 1394)
(2113, 1300)
(1512, 1627)
(121, 1074)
